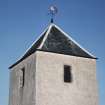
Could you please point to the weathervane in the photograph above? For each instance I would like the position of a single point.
(53, 11)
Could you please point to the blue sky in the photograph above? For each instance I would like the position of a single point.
(22, 21)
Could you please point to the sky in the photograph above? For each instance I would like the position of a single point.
(22, 21)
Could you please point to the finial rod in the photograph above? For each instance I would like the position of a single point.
(52, 21)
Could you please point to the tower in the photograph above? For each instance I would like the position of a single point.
(55, 70)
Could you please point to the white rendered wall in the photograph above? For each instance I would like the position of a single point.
(50, 86)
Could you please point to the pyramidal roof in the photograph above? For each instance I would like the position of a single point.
(55, 40)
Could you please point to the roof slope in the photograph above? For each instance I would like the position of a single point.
(53, 39)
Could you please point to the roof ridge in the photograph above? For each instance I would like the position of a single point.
(68, 36)
(45, 37)
(32, 44)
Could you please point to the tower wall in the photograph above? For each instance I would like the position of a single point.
(44, 81)
(23, 95)
(51, 88)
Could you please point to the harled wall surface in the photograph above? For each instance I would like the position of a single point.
(44, 81)
(23, 95)
(50, 86)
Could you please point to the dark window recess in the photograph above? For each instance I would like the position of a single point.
(67, 73)
(22, 77)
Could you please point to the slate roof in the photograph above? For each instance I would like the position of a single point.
(53, 39)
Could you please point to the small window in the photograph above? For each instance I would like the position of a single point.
(67, 73)
(22, 77)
